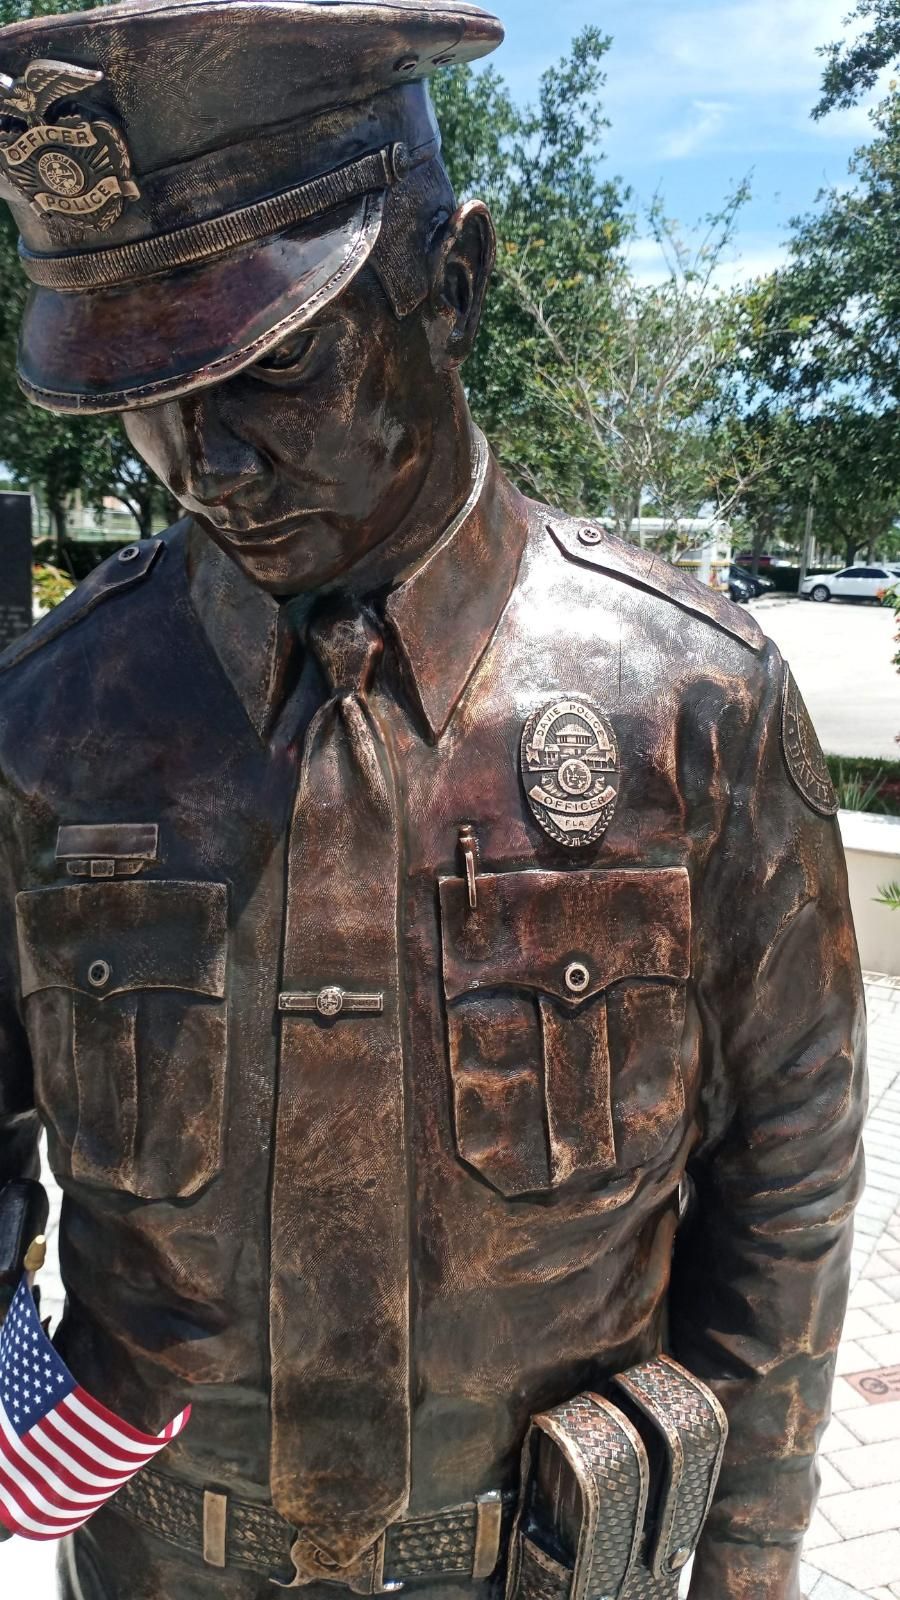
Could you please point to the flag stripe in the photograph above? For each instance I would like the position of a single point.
(17, 1520)
(120, 1432)
(63, 1454)
(38, 1477)
(22, 1506)
(80, 1435)
(135, 1453)
(28, 1494)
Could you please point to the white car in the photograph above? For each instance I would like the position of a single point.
(854, 583)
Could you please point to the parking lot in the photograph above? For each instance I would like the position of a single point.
(841, 658)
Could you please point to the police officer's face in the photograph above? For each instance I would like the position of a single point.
(301, 465)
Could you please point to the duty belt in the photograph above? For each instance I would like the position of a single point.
(616, 1488)
(461, 1541)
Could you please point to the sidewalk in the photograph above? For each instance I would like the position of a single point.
(853, 1548)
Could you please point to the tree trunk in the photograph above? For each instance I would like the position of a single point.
(59, 525)
(851, 545)
(141, 508)
(144, 514)
(760, 539)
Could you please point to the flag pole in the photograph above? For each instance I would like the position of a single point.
(35, 1256)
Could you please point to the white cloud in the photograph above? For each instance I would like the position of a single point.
(705, 122)
(754, 47)
(757, 257)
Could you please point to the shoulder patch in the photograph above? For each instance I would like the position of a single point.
(594, 547)
(120, 571)
(806, 764)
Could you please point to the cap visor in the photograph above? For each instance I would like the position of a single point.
(118, 349)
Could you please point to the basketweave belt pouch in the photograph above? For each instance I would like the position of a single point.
(616, 1489)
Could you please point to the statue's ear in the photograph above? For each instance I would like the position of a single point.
(464, 259)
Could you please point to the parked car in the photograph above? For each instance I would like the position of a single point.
(740, 586)
(745, 558)
(758, 584)
(854, 583)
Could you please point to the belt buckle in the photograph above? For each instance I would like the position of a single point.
(365, 1575)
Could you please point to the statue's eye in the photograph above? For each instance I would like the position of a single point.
(288, 359)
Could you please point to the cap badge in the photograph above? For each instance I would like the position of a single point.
(570, 769)
(77, 174)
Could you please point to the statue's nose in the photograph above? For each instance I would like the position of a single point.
(217, 463)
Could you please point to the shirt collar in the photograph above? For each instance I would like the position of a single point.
(441, 613)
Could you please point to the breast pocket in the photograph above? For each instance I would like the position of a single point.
(124, 986)
(565, 1000)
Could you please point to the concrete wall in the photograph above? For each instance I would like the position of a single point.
(872, 846)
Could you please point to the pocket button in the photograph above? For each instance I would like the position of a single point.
(577, 977)
(99, 974)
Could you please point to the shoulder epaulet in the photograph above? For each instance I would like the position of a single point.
(592, 546)
(120, 571)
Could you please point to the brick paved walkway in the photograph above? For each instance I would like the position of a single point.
(853, 1549)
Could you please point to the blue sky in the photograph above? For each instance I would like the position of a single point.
(702, 93)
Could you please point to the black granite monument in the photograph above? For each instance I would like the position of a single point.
(15, 566)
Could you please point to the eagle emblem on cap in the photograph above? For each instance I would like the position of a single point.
(76, 173)
(570, 770)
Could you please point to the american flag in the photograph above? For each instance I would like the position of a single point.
(62, 1454)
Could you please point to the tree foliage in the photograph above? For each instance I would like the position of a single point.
(832, 316)
(821, 345)
(59, 456)
(601, 390)
(852, 67)
(539, 170)
(640, 369)
(597, 390)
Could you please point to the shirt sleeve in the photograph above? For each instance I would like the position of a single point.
(762, 1263)
(19, 1156)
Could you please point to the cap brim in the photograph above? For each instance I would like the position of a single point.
(166, 336)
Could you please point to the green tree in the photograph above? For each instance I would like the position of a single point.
(598, 391)
(831, 317)
(540, 170)
(638, 370)
(853, 67)
(58, 455)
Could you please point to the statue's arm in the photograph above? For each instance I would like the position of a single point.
(763, 1262)
(22, 1205)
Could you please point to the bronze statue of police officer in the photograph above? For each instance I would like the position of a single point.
(424, 932)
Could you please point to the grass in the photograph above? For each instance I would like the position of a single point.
(864, 783)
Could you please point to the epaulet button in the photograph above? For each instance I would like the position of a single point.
(594, 546)
(118, 572)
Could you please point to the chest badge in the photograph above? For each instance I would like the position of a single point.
(570, 769)
(76, 173)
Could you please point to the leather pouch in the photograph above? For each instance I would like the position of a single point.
(616, 1489)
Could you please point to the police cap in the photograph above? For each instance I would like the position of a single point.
(194, 181)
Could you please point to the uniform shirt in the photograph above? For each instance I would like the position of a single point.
(715, 1047)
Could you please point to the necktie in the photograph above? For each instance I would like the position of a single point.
(339, 1290)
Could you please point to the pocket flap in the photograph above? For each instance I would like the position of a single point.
(569, 934)
(113, 841)
(105, 938)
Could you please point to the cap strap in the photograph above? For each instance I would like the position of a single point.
(127, 263)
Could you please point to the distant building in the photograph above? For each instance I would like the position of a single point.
(710, 543)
